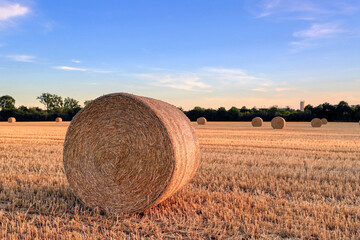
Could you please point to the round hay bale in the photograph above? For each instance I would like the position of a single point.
(324, 121)
(316, 122)
(257, 122)
(11, 120)
(201, 121)
(58, 119)
(125, 153)
(278, 123)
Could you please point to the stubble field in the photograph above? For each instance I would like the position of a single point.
(297, 183)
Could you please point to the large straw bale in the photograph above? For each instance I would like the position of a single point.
(125, 153)
(58, 119)
(201, 121)
(11, 120)
(324, 121)
(257, 122)
(316, 122)
(278, 123)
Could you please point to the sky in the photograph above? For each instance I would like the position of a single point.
(188, 53)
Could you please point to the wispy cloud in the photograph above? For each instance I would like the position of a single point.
(259, 90)
(202, 80)
(11, 10)
(188, 82)
(67, 68)
(301, 9)
(316, 31)
(279, 89)
(21, 58)
(75, 61)
(309, 37)
(226, 71)
(232, 76)
(100, 71)
(321, 15)
(284, 89)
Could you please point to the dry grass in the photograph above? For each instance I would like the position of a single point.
(253, 182)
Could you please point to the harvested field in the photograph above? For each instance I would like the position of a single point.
(299, 182)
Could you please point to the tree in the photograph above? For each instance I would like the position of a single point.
(273, 110)
(46, 99)
(343, 107)
(343, 111)
(7, 102)
(234, 110)
(234, 113)
(221, 114)
(87, 102)
(51, 101)
(70, 103)
(309, 108)
(357, 112)
(289, 109)
(57, 102)
(23, 108)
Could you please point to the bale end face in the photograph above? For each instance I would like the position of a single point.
(11, 120)
(201, 121)
(316, 122)
(124, 153)
(257, 122)
(324, 121)
(278, 123)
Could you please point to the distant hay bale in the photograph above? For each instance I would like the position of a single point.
(58, 119)
(316, 122)
(125, 153)
(278, 123)
(257, 122)
(201, 121)
(11, 120)
(324, 121)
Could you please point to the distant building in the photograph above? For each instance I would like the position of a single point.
(302, 105)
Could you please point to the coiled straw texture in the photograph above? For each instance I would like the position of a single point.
(125, 153)
(316, 122)
(257, 122)
(278, 123)
(11, 120)
(201, 121)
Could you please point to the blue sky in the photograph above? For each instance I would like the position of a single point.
(188, 53)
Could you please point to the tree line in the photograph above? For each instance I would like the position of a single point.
(341, 112)
(56, 106)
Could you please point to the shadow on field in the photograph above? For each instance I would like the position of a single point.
(54, 201)
(59, 201)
